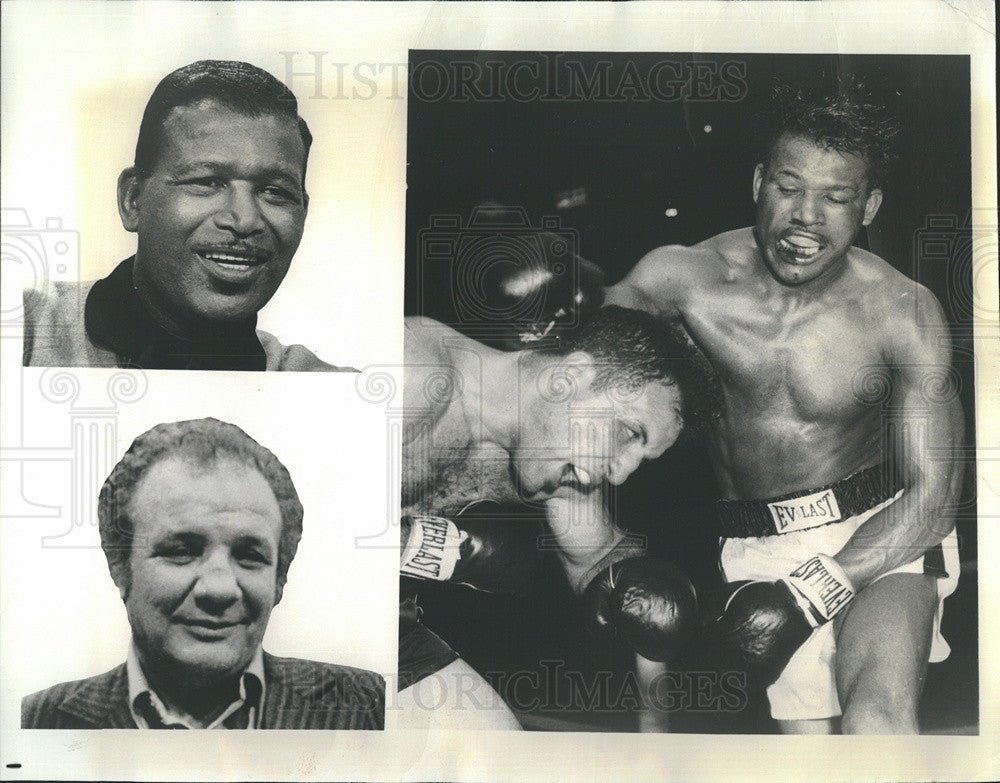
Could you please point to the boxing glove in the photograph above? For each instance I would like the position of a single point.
(568, 290)
(529, 282)
(766, 622)
(489, 547)
(646, 603)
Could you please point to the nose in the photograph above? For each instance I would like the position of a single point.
(216, 588)
(807, 210)
(623, 465)
(241, 213)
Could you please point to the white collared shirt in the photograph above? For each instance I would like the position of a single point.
(140, 689)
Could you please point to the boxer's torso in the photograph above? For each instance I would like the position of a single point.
(446, 463)
(803, 372)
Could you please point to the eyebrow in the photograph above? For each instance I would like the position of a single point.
(268, 173)
(257, 541)
(793, 175)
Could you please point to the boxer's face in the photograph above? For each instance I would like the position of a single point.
(811, 202)
(203, 568)
(219, 217)
(573, 438)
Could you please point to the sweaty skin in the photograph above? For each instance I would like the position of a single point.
(830, 361)
(791, 363)
(488, 425)
(477, 428)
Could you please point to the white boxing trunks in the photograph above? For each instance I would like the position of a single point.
(807, 687)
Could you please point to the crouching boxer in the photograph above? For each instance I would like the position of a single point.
(552, 428)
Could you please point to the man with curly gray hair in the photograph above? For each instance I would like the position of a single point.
(199, 524)
(834, 453)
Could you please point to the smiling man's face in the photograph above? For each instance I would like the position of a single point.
(203, 569)
(219, 217)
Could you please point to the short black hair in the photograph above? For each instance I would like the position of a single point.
(240, 87)
(847, 118)
(632, 348)
(204, 443)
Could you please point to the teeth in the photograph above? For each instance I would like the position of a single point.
(582, 476)
(803, 248)
(226, 258)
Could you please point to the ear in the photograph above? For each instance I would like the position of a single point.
(579, 368)
(872, 205)
(122, 583)
(279, 590)
(129, 188)
(758, 177)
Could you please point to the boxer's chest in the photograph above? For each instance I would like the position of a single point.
(814, 365)
(443, 478)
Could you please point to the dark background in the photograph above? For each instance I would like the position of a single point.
(629, 156)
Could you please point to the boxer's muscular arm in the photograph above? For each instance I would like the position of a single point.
(584, 532)
(655, 283)
(926, 432)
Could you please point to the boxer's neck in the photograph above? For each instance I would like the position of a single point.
(492, 399)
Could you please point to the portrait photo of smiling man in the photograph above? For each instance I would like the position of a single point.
(199, 524)
(216, 198)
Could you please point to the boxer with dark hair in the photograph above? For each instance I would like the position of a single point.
(217, 200)
(836, 501)
(487, 431)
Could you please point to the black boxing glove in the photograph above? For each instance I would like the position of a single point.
(531, 281)
(569, 291)
(489, 547)
(645, 602)
(766, 622)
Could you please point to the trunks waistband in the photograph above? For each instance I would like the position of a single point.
(809, 508)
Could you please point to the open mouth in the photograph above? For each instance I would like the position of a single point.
(232, 263)
(574, 475)
(799, 248)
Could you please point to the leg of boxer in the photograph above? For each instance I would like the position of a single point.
(817, 726)
(882, 652)
(454, 698)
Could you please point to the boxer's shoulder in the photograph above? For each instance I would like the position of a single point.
(715, 260)
(889, 293)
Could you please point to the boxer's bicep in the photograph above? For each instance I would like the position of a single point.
(927, 443)
(924, 435)
(583, 531)
(654, 285)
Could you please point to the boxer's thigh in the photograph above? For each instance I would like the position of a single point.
(456, 697)
(882, 649)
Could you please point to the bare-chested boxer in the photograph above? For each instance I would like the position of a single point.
(551, 428)
(836, 448)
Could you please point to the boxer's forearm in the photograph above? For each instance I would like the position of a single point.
(903, 531)
(923, 515)
(584, 535)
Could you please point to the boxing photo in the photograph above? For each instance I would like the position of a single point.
(689, 428)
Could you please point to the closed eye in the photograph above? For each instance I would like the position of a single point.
(632, 433)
